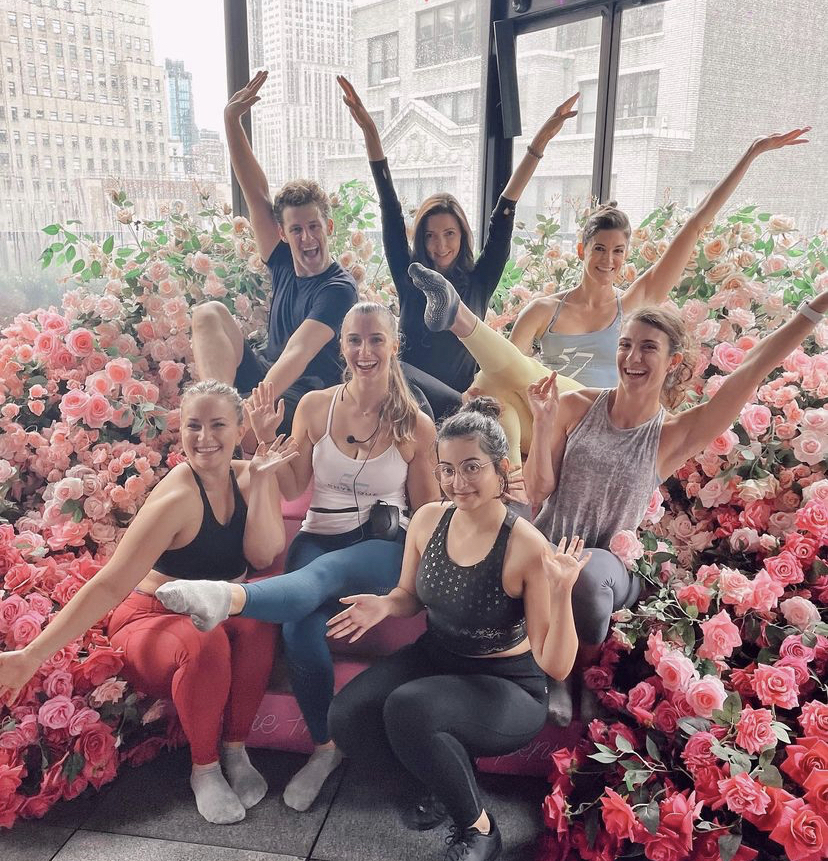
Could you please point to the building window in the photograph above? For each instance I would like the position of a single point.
(643, 21)
(637, 99)
(382, 58)
(460, 106)
(446, 33)
(579, 34)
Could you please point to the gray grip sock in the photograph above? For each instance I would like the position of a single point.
(559, 702)
(246, 782)
(442, 300)
(206, 601)
(215, 800)
(302, 790)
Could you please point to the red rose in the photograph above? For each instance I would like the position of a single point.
(9, 781)
(814, 719)
(640, 701)
(665, 717)
(803, 834)
(706, 783)
(816, 786)
(780, 802)
(619, 818)
(809, 755)
(554, 812)
(598, 678)
(96, 744)
(99, 666)
(804, 547)
(20, 578)
(144, 752)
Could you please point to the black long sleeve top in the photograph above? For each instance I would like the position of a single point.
(440, 353)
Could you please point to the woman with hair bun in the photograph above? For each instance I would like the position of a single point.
(598, 455)
(577, 329)
(443, 240)
(369, 452)
(499, 615)
(212, 516)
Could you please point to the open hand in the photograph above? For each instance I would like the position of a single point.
(777, 141)
(564, 563)
(241, 102)
(266, 458)
(354, 103)
(365, 612)
(555, 123)
(260, 414)
(16, 668)
(543, 399)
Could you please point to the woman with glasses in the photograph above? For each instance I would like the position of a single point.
(499, 615)
(370, 454)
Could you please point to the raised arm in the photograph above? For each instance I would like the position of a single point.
(149, 535)
(534, 152)
(653, 287)
(248, 171)
(530, 324)
(421, 485)
(394, 236)
(549, 573)
(689, 432)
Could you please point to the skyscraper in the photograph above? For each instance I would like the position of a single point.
(182, 112)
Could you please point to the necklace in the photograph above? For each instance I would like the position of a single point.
(364, 413)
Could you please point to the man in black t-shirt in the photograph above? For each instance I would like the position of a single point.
(311, 292)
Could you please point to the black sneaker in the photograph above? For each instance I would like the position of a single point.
(427, 813)
(468, 844)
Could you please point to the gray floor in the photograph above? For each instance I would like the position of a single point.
(148, 814)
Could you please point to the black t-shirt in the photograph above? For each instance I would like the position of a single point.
(440, 353)
(326, 297)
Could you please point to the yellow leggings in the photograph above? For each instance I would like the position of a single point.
(505, 373)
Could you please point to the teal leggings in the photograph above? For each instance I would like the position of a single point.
(319, 570)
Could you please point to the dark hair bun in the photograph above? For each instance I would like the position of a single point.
(484, 405)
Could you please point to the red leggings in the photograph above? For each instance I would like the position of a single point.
(214, 678)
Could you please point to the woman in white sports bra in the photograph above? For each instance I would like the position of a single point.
(578, 329)
(370, 453)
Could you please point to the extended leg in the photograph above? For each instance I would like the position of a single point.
(218, 343)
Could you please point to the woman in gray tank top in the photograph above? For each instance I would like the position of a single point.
(598, 454)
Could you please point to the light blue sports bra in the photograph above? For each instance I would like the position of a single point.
(589, 357)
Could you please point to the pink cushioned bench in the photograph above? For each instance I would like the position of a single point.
(279, 723)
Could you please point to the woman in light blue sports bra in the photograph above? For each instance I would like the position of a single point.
(577, 329)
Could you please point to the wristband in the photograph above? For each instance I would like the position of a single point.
(534, 153)
(808, 312)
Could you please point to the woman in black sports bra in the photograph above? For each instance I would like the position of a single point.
(474, 683)
(210, 517)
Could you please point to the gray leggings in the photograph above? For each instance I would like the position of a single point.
(603, 587)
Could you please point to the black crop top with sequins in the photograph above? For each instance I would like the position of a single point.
(217, 551)
(469, 613)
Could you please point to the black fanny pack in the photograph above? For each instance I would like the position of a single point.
(383, 519)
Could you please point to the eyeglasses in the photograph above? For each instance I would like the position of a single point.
(470, 470)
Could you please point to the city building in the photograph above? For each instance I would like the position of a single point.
(182, 113)
(300, 121)
(82, 108)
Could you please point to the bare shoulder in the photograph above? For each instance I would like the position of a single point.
(425, 432)
(312, 411)
(425, 519)
(541, 309)
(530, 541)
(175, 496)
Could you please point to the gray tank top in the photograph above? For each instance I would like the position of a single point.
(607, 478)
(589, 357)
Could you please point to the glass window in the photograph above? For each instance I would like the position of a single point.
(685, 112)
(382, 58)
(447, 33)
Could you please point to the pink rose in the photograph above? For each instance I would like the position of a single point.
(697, 753)
(80, 342)
(734, 587)
(656, 649)
(626, 546)
(705, 695)
(742, 794)
(110, 691)
(764, 594)
(755, 419)
(619, 818)
(97, 411)
(784, 568)
(754, 731)
(695, 595)
(24, 629)
(776, 686)
(809, 447)
(56, 712)
(721, 637)
(813, 518)
(813, 719)
(800, 613)
(58, 683)
(727, 357)
(723, 444)
(171, 372)
(640, 702)
(676, 671)
(119, 370)
(72, 404)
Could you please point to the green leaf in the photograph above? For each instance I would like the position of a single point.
(650, 817)
(769, 776)
(95, 268)
(78, 515)
(729, 843)
(73, 766)
(70, 253)
(592, 825)
(598, 757)
(80, 265)
(635, 778)
(623, 743)
(69, 506)
(109, 244)
(652, 748)
(69, 237)
(51, 229)
(781, 732)
(730, 710)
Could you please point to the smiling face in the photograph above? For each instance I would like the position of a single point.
(368, 343)
(604, 255)
(210, 430)
(644, 359)
(442, 236)
(306, 231)
(466, 473)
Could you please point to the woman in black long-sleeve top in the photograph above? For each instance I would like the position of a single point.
(435, 361)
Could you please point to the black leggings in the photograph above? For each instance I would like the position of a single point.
(443, 400)
(435, 710)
